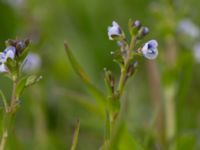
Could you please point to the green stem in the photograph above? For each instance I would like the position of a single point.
(170, 116)
(122, 80)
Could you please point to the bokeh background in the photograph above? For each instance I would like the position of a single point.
(50, 109)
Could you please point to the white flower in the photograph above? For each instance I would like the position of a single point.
(114, 30)
(187, 27)
(196, 52)
(149, 50)
(32, 63)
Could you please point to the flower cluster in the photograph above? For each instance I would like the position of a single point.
(12, 55)
(138, 32)
(15, 58)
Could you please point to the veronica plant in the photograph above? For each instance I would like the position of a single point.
(112, 102)
(14, 61)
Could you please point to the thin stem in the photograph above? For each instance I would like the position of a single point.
(170, 116)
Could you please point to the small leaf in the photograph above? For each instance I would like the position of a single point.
(32, 80)
(23, 55)
(81, 73)
(11, 65)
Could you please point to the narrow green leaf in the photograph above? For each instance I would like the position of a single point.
(81, 73)
(23, 55)
(75, 137)
(11, 65)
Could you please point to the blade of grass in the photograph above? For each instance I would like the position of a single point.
(75, 136)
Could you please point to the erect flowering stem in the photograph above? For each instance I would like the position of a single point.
(8, 116)
(122, 79)
(124, 68)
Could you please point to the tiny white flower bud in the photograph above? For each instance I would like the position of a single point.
(114, 30)
(149, 50)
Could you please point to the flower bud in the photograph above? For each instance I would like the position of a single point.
(131, 69)
(134, 26)
(109, 79)
(20, 45)
(142, 32)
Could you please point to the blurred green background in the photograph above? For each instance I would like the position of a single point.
(49, 110)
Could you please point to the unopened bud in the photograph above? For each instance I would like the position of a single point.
(109, 79)
(134, 26)
(131, 69)
(142, 32)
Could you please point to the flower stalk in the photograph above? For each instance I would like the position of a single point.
(12, 60)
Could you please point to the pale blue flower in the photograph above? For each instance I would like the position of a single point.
(32, 63)
(9, 52)
(149, 50)
(114, 30)
(187, 27)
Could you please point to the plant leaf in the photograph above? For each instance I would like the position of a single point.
(81, 73)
